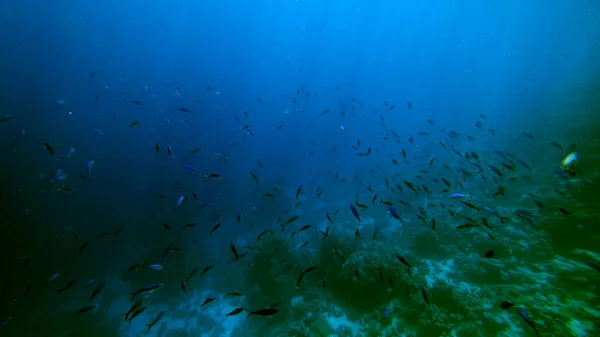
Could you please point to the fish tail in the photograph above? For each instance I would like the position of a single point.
(149, 327)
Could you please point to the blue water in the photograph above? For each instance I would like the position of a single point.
(113, 111)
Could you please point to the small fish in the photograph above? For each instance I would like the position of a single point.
(424, 293)
(156, 320)
(206, 301)
(394, 214)
(90, 166)
(27, 290)
(193, 169)
(189, 225)
(167, 227)
(5, 118)
(298, 191)
(305, 227)
(192, 273)
(149, 289)
(495, 213)
(528, 320)
(539, 204)
(366, 153)
(375, 233)
(470, 205)
(506, 305)
(564, 211)
(306, 271)
(53, 277)
(88, 283)
(234, 251)
(84, 246)
(264, 312)
(410, 186)
(468, 225)
(501, 191)
(496, 170)
(156, 266)
(180, 201)
(403, 261)
(355, 213)
(136, 313)
(221, 156)
(594, 265)
(235, 293)
(119, 230)
(212, 176)
(489, 254)
(183, 286)
(3, 323)
(133, 308)
(134, 123)
(49, 148)
(357, 234)
(267, 230)
(206, 270)
(385, 313)
(457, 196)
(68, 285)
(487, 224)
(86, 309)
(234, 312)
(215, 228)
(291, 220)
(98, 289)
(71, 151)
(557, 145)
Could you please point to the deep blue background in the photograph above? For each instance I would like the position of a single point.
(525, 65)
